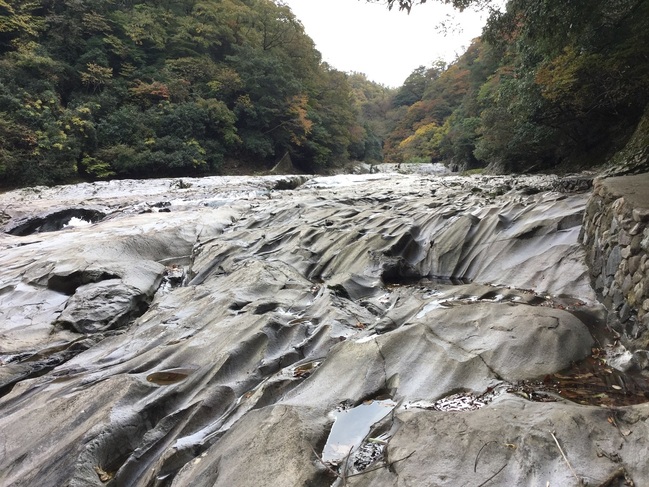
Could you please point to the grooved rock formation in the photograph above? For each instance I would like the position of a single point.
(208, 332)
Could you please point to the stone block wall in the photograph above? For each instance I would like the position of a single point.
(615, 234)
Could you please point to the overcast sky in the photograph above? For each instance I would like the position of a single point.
(387, 46)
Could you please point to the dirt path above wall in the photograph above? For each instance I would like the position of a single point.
(635, 189)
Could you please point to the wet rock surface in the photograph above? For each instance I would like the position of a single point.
(205, 332)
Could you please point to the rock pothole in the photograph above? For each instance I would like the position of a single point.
(54, 221)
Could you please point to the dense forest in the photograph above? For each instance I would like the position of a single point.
(115, 88)
(96, 89)
(550, 85)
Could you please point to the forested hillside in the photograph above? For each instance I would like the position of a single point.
(114, 88)
(96, 89)
(550, 85)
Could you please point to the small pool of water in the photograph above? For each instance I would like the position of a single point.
(169, 376)
(351, 426)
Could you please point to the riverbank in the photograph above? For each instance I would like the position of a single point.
(211, 331)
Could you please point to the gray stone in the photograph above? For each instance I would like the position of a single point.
(625, 312)
(641, 214)
(599, 283)
(627, 284)
(613, 261)
(639, 293)
(645, 285)
(626, 252)
(597, 261)
(618, 297)
(637, 277)
(622, 271)
(272, 447)
(102, 306)
(623, 237)
(638, 329)
(644, 243)
(620, 358)
(636, 244)
(618, 206)
(634, 264)
(636, 229)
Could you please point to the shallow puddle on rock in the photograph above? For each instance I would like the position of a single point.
(592, 381)
(352, 426)
(168, 377)
(304, 370)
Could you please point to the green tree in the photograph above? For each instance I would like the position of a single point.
(99, 89)
(551, 84)
(17, 21)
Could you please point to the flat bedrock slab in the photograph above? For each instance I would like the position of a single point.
(511, 441)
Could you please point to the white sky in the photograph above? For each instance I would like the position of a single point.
(387, 46)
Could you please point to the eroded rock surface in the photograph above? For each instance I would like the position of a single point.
(203, 332)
